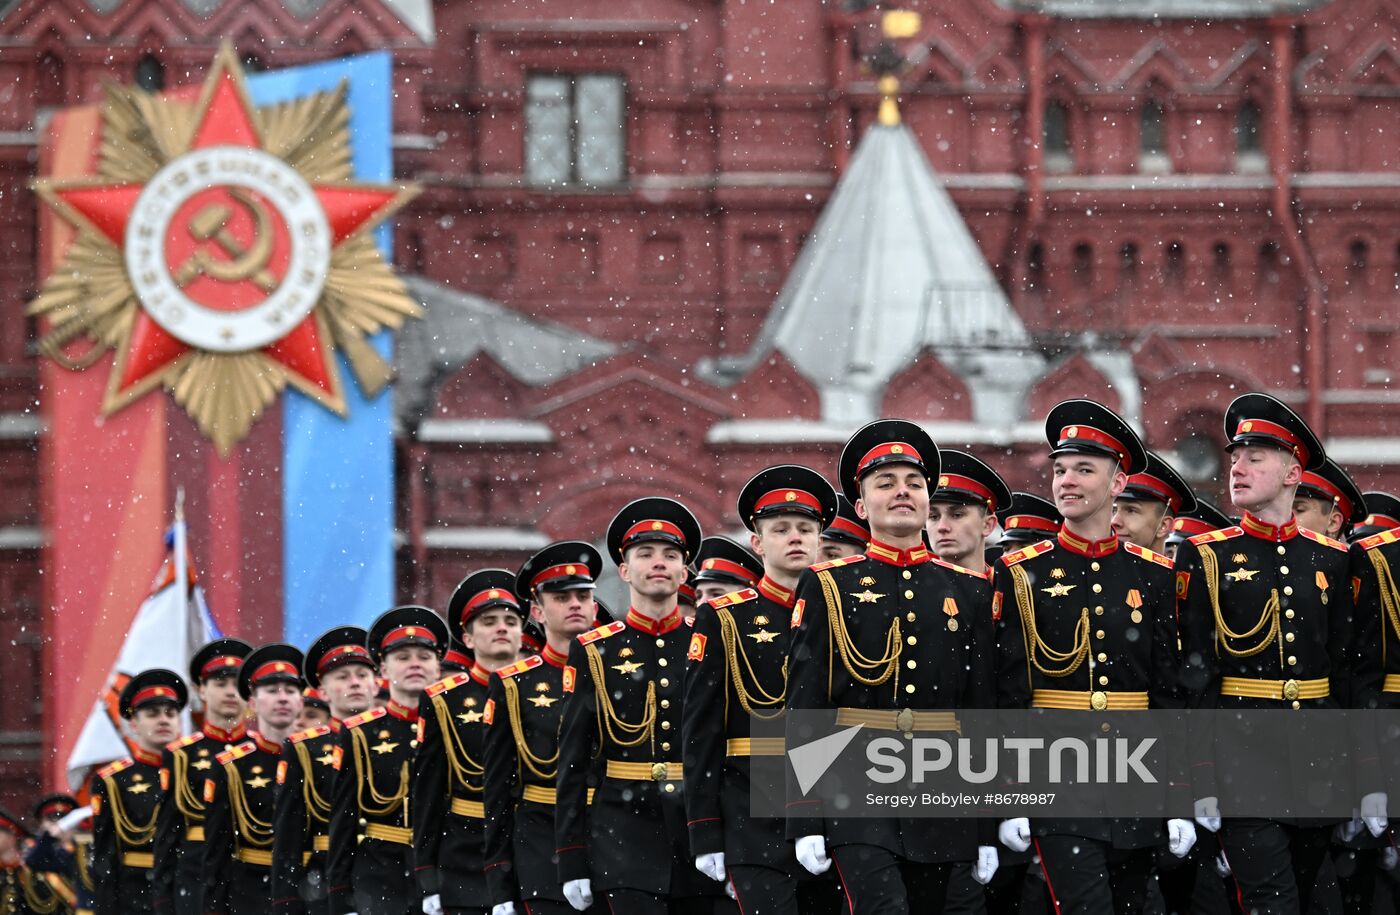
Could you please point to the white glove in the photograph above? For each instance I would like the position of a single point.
(1390, 857)
(1181, 835)
(432, 905)
(579, 893)
(1222, 865)
(811, 854)
(729, 890)
(711, 865)
(1015, 833)
(505, 908)
(1208, 814)
(1350, 829)
(987, 863)
(1373, 812)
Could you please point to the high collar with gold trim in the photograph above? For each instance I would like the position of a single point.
(401, 712)
(236, 734)
(1275, 533)
(265, 745)
(667, 623)
(554, 658)
(1093, 549)
(776, 592)
(145, 756)
(897, 557)
(479, 674)
(336, 725)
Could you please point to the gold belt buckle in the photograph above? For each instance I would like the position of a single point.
(1098, 700)
(658, 772)
(1290, 690)
(904, 721)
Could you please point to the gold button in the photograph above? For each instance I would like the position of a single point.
(660, 662)
(908, 595)
(1288, 636)
(908, 574)
(1100, 634)
(1097, 587)
(665, 725)
(665, 682)
(1283, 570)
(1104, 727)
(910, 616)
(1103, 656)
(1287, 589)
(364, 822)
(1297, 704)
(1094, 565)
(1103, 681)
(908, 687)
(1098, 611)
(912, 640)
(670, 788)
(660, 643)
(1292, 660)
(1289, 613)
(911, 664)
(666, 745)
(413, 743)
(665, 703)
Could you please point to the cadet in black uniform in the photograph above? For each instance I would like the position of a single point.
(178, 875)
(1028, 519)
(447, 808)
(624, 684)
(1265, 611)
(239, 792)
(1203, 519)
(338, 664)
(1384, 515)
(1329, 502)
(24, 891)
(724, 566)
(370, 865)
(847, 535)
(879, 640)
(1145, 511)
(522, 736)
(126, 795)
(61, 857)
(1087, 622)
(738, 656)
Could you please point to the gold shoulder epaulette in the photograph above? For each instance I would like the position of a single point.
(834, 563)
(602, 632)
(953, 566)
(448, 683)
(116, 767)
(1323, 539)
(1225, 533)
(1143, 552)
(1384, 537)
(320, 731)
(366, 716)
(734, 597)
(238, 752)
(520, 666)
(183, 742)
(1029, 552)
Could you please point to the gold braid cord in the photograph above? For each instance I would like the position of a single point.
(83, 855)
(609, 723)
(459, 761)
(318, 809)
(857, 664)
(546, 769)
(186, 801)
(129, 834)
(252, 832)
(737, 662)
(41, 898)
(1390, 596)
(1210, 565)
(1036, 646)
(378, 805)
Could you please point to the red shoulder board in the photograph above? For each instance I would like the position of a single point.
(1030, 552)
(1225, 533)
(1323, 539)
(602, 632)
(366, 716)
(238, 752)
(520, 666)
(957, 568)
(116, 767)
(734, 597)
(309, 733)
(1143, 552)
(1384, 537)
(451, 682)
(183, 742)
(834, 563)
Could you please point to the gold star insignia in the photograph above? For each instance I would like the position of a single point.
(384, 746)
(627, 667)
(469, 717)
(204, 764)
(328, 759)
(543, 701)
(262, 781)
(867, 596)
(763, 635)
(139, 788)
(1058, 589)
(1242, 574)
(1057, 573)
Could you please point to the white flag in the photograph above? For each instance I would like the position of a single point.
(169, 628)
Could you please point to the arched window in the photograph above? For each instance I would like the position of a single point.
(1249, 141)
(253, 62)
(150, 73)
(1270, 266)
(1358, 259)
(1035, 269)
(1056, 140)
(1220, 264)
(1128, 262)
(1083, 265)
(1152, 138)
(48, 82)
(1174, 270)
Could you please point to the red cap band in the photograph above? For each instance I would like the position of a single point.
(651, 527)
(1384, 521)
(729, 568)
(847, 526)
(1191, 527)
(453, 656)
(567, 570)
(1030, 523)
(152, 693)
(408, 632)
(788, 498)
(966, 484)
(1079, 433)
(342, 653)
(1273, 430)
(902, 450)
(274, 669)
(1313, 481)
(688, 593)
(485, 597)
(223, 664)
(1159, 487)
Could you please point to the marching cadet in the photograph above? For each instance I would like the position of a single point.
(239, 792)
(522, 735)
(1265, 612)
(315, 710)
(875, 638)
(59, 856)
(724, 566)
(688, 598)
(1087, 622)
(339, 665)
(1329, 502)
(847, 535)
(624, 702)
(456, 660)
(1384, 515)
(369, 867)
(1203, 519)
(1146, 510)
(737, 669)
(1027, 519)
(962, 510)
(126, 795)
(178, 875)
(446, 806)
(24, 891)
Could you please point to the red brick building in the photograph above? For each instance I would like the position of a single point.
(1164, 210)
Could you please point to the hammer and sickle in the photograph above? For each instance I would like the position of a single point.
(211, 224)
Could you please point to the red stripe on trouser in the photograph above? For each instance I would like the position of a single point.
(1049, 887)
(845, 887)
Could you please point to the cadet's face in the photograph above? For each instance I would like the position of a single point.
(494, 635)
(787, 543)
(566, 613)
(709, 590)
(9, 848)
(1085, 485)
(410, 669)
(311, 716)
(654, 570)
(221, 699)
(837, 549)
(156, 725)
(1318, 516)
(277, 704)
(1140, 521)
(894, 500)
(1260, 474)
(349, 688)
(959, 532)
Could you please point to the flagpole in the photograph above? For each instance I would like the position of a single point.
(182, 586)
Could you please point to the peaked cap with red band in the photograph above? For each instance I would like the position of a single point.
(885, 441)
(335, 648)
(151, 687)
(847, 526)
(1259, 419)
(406, 627)
(965, 480)
(653, 520)
(1332, 484)
(722, 560)
(276, 662)
(787, 489)
(485, 589)
(1028, 519)
(1087, 427)
(1160, 483)
(219, 658)
(569, 565)
(1203, 518)
(1384, 514)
